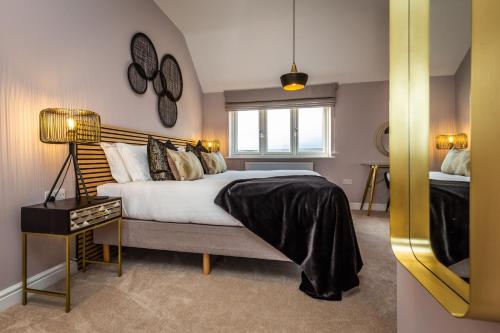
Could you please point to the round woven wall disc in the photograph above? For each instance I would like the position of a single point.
(167, 110)
(159, 84)
(136, 78)
(143, 52)
(173, 77)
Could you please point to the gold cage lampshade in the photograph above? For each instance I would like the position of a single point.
(69, 126)
(457, 141)
(211, 145)
(72, 126)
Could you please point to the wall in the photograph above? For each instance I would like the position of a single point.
(419, 312)
(72, 53)
(462, 95)
(360, 109)
(442, 116)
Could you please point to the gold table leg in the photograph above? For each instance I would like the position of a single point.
(68, 275)
(372, 189)
(119, 247)
(367, 186)
(84, 252)
(25, 268)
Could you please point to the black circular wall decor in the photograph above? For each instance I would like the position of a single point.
(173, 77)
(159, 84)
(144, 53)
(167, 110)
(136, 78)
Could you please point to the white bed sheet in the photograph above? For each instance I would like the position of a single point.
(183, 202)
(436, 175)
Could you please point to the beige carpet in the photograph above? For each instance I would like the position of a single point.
(166, 292)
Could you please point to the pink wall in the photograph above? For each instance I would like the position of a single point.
(462, 95)
(72, 53)
(360, 109)
(442, 116)
(419, 312)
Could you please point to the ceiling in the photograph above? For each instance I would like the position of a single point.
(244, 44)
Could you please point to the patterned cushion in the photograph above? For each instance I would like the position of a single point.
(158, 165)
(197, 150)
(185, 166)
(214, 162)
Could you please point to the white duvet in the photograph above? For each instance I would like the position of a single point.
(183, 202)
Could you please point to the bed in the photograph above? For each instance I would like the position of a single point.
(449, 218)
(307, 218)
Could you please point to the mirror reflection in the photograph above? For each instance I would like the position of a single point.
(449, 130)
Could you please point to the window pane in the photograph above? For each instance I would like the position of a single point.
(278, 131)
(247, 131)
(311, 129)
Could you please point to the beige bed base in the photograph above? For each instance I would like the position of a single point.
(180, 237)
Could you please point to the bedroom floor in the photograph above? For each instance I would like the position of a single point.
(166, 292)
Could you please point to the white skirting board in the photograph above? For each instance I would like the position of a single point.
(13, 295)
(376, 207)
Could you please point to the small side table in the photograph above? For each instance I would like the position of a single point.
(65, 219)
(371, 183)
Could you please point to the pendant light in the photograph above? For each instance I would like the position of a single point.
(294, 80)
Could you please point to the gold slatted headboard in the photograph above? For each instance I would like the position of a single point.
(95, 170)
(93, 163)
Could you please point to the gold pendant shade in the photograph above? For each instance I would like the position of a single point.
(59, 125)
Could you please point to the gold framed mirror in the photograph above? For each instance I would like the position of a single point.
(474, 292)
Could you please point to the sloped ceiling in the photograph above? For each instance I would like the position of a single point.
(243, 44)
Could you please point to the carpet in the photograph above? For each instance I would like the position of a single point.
(164, 291)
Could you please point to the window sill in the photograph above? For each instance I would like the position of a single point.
(278, 157)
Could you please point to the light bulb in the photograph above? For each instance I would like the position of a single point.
(71, 124)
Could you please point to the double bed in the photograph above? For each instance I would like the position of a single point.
(312, 223)
(449, 218)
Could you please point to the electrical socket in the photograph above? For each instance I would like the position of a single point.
(347, 181)
(60, 196)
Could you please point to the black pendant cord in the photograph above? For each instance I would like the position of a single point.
(293, 24)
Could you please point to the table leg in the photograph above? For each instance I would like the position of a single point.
(68, 275)
(367, 186)
(372, 189)
(84, 254)
(119, 247)
(25, 268)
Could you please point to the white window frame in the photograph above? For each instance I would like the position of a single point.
(294, 138)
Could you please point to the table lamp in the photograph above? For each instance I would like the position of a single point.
(72, 126)
(457, 141)
(211, 145)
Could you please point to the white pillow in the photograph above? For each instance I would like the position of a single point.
(135, 159)
(451, 161)
(463, 168)
(115, 161)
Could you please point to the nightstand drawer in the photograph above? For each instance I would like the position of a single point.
(69, 216)
(86, 217)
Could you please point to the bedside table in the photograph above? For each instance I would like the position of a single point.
(65, 219)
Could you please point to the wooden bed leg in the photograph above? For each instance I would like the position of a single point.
(206, 264)
(105, 253)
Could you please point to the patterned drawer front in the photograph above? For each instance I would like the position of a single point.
(89, 216)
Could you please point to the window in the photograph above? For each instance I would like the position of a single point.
(291, 132)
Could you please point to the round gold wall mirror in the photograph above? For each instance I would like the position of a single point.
(381, 139)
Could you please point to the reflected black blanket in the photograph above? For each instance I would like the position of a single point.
(308, 219)
(449, 220)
